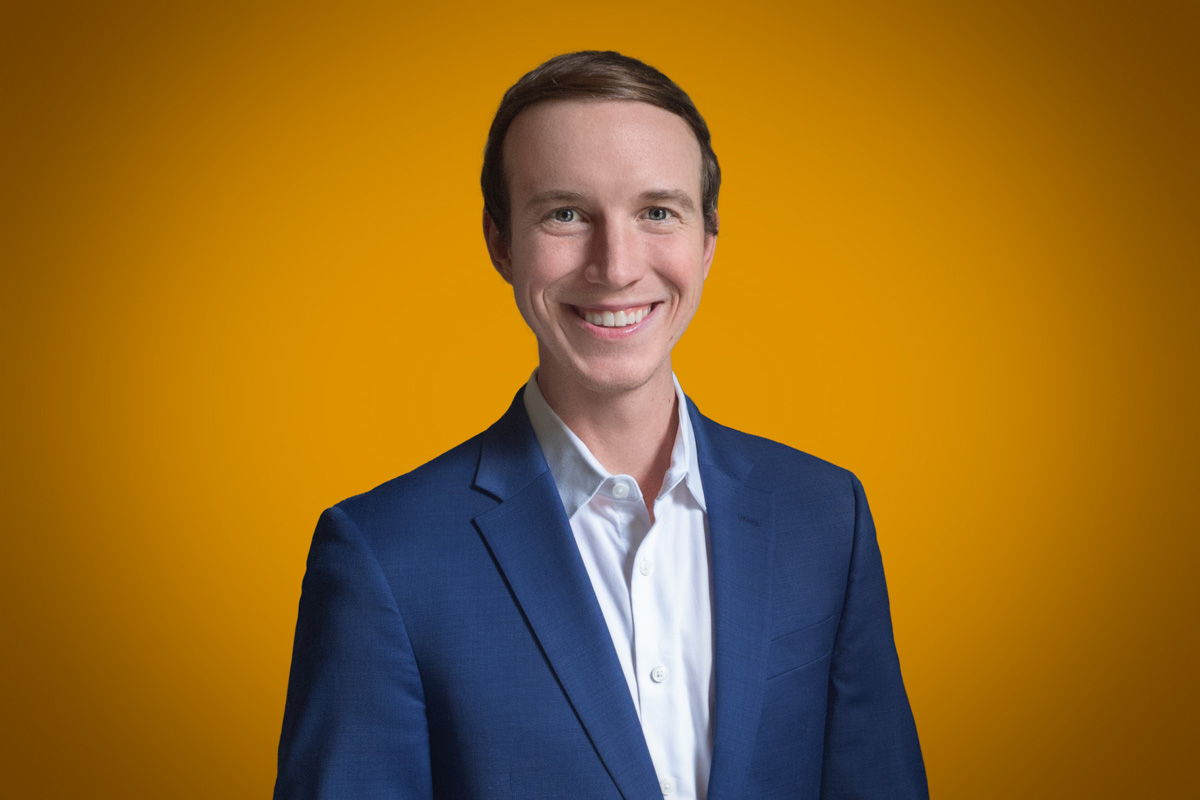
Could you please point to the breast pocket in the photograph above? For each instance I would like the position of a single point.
(801, 647)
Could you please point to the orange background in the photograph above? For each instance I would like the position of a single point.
(243, 278)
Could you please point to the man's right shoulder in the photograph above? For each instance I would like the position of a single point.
(436, 487)
(435, 505)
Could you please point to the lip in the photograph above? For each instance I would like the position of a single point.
(602, 332)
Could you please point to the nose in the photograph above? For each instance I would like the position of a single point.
(614, 258)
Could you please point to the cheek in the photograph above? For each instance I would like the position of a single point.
(545, 262)
(681, 263)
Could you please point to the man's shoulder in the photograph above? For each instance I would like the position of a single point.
(446, 489)
(808, 493)
(770, 464)
(422, 498)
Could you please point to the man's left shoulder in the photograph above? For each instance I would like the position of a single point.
(767, 463)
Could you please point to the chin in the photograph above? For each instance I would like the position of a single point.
(617, 379)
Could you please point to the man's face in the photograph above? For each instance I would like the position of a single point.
(607, 251)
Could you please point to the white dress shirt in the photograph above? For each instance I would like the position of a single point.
(652, 583)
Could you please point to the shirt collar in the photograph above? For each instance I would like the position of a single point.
(576, 471)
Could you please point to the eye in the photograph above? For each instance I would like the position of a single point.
(565, 215)
(658, 214)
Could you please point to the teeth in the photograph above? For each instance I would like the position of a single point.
(618, 319)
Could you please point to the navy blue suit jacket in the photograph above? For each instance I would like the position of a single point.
(449, 643)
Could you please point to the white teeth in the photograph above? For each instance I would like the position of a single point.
(617, 319)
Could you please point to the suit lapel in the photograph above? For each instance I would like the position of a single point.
(530, 538)
(741, 537)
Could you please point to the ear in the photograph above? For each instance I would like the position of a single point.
(498, 247)
(710, 245)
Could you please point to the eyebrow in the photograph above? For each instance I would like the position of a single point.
(555, 196)
(681, 198)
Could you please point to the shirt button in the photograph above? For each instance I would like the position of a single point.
(667, 785)
(658, 674)
(646, 567)
(620, 490)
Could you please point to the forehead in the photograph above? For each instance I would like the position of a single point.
(599, 145)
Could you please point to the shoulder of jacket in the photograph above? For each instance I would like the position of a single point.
(438, 484)
(776, 463)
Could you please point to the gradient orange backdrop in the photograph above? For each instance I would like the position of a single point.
(243, 278)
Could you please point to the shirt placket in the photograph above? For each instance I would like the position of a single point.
(656, 660)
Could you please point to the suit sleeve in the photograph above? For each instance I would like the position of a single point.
(871, 746)
(354, 724)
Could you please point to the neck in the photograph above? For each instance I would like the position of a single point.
(630, 432)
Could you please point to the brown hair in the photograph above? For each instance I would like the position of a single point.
(596, 75)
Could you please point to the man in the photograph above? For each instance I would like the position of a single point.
(605, 594)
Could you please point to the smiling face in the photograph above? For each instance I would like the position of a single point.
(607, 252)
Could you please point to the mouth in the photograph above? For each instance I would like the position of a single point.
(614, 318)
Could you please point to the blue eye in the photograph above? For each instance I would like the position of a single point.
(565, 215)
(658, 214)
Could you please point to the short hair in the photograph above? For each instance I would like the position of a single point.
(593, 75)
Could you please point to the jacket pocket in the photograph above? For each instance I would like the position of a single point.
(801, 647)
